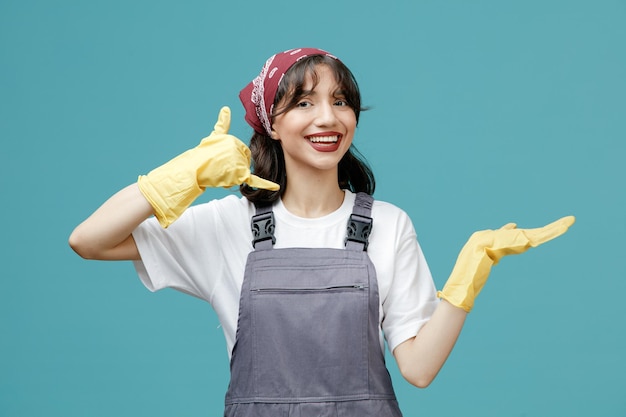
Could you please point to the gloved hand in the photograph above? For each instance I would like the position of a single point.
(220, 160)
(484, 249)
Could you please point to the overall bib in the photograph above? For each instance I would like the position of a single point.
(307, 342)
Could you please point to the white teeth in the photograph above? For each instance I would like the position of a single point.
(324, 139)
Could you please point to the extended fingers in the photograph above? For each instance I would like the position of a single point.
(258, 182)
(555, 229)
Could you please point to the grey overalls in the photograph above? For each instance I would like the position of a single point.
(307, 342)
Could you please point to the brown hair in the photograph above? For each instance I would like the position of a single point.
(354, 173)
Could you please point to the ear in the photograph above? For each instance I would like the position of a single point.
(274, 135)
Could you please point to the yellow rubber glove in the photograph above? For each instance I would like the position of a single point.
(484, 249)
(220, 160)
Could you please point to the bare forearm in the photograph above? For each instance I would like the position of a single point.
(421, 357)
(106, 234)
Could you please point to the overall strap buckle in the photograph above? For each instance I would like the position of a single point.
(359, 229)
(360, 223)
(262, 226)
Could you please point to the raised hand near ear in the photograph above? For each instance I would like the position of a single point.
(220, 160)
(226, 160)
(485, 249)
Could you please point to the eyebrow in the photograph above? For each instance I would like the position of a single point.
(337, 93)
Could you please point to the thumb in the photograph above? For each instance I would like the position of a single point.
(508, 226)
(223, 121)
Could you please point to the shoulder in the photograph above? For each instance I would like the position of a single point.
(214, 215)
(225, 209)
(390, 224)
(392, 217)
(387, 209)
(230, 205)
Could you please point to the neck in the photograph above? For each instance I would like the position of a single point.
(312, 196)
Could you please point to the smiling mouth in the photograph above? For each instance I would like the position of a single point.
(323, 139)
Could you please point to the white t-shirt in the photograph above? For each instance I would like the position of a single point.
(204, 254)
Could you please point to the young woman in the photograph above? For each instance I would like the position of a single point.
(306, 271)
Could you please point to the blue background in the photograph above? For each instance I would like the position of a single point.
(483, 112)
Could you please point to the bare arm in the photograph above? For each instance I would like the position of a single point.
(421, 357)
(220, 160)
(106, 234)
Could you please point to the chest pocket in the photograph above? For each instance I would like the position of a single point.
(310, 325)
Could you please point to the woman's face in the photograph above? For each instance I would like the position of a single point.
(319, 130)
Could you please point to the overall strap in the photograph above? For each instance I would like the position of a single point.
(360, 223)
(263, 225)
(357, 233)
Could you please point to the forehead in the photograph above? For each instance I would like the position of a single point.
(320, 76)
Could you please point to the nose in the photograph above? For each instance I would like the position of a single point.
(325, 115)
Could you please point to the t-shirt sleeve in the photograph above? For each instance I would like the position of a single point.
(183, 255)
(412, 297)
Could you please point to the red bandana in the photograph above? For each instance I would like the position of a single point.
(258, 96)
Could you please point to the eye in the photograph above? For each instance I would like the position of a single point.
(341, 102)
(303, 104)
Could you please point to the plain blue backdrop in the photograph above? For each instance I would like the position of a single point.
(482, 112)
